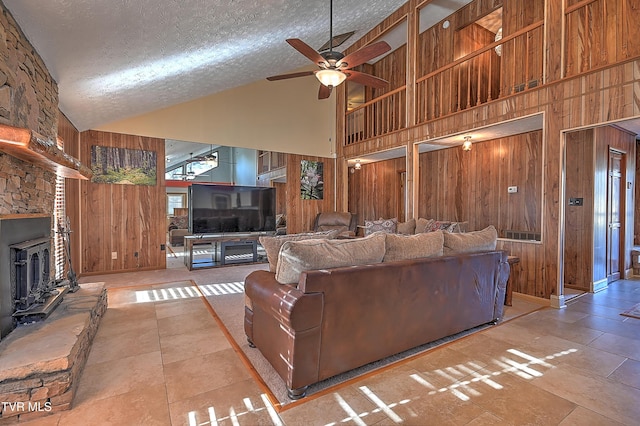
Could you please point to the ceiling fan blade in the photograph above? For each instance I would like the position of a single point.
(366, 79)
(306, 50)
(324, 92)
(292, 75)
(361, 56)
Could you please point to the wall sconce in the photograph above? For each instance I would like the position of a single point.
(357, 166)
(498, 48)
(466, 146)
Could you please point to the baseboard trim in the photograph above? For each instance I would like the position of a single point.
(600, 285)
(557, 302)
(530, 298)
(628, 273)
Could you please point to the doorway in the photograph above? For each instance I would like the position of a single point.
(615, 206)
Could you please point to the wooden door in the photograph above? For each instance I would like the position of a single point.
(615, 200)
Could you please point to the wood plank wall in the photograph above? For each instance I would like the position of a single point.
(125, 219)
(71, 137)
(375, 191)
(471, 186)
(616, 39)
(578, 243)
(281, 197)
(301, 213)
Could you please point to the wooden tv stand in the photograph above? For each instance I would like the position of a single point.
(235, 241)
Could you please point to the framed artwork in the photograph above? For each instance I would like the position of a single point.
(311, 184)
(123, 166)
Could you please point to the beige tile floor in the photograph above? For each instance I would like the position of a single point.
(169, 363)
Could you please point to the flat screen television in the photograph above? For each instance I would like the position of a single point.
(217, 209)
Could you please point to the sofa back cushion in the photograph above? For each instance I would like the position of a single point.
(470, 242)
(403, 247)
(407, 228)
(272, 244)
(298, 256)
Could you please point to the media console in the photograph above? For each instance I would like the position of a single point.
(223, 245)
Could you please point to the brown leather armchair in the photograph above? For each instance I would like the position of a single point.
(343, 222)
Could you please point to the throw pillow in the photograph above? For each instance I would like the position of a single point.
(380, 225)
(181, 222)
(470, 242)
(423, 224)
(298, 256)
(407, 228)
(272, 244)
(403, 247)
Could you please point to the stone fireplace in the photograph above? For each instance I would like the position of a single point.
(25, 262)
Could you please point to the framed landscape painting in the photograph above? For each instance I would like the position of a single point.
(311, 184)
(123, 166)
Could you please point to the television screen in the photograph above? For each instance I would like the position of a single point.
(216, 209)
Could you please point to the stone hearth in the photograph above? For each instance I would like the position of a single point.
(41, 362)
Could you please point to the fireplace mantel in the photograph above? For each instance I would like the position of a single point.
(29, 146)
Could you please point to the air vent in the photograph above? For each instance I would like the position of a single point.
(522, 235)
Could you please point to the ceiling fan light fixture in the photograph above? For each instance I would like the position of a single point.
(466, 145)
(331, 78)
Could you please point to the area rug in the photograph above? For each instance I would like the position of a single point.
(633, 312)
(228, 306)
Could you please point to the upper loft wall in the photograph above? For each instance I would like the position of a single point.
(284, 116)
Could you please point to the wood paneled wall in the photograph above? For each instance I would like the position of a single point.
(471, 186)
(376, 190)
(615, 40)
(281, 197)
(578, 242)
(302, 213)
(71, 137)
(122, 219)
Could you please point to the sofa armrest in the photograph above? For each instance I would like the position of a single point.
(290, 306)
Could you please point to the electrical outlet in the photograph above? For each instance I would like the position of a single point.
(114, 255)
(512, 189)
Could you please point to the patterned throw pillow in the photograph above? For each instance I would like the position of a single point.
(181, 222)
(423, 224)
(384, 225)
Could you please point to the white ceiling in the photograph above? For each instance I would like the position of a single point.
(120, 58)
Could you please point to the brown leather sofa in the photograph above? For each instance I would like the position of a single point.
(339, 319)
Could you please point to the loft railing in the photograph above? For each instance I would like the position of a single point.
(380, 116)
(477, 78)
(483, 76)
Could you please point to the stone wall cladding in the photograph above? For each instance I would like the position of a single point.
(28, 99)
(25, 188)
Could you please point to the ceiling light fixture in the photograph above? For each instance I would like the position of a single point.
(466, 146)
(331, 77)
(357, 166)
(498, 48)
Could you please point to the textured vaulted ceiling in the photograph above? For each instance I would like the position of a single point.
(113, 59)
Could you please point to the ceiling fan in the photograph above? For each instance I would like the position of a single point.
(336, 67)
(210, 156)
